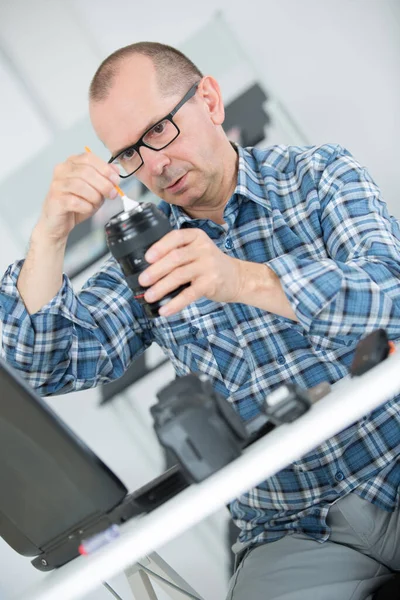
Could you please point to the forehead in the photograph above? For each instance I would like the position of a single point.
(134, 103)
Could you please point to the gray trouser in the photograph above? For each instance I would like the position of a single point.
(363, 548)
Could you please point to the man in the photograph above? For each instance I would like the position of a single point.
(291, 258)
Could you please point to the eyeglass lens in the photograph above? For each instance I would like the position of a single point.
(159, 136)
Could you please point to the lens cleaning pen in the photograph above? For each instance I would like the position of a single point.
(127, 203)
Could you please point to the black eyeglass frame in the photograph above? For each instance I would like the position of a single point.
(169, 117)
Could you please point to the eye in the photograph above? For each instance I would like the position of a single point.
(159, 128)
(127, 155)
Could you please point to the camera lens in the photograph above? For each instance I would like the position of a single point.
(129, 235)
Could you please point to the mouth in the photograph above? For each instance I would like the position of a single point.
(178, 185)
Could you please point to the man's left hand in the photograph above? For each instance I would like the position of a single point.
(189, 256)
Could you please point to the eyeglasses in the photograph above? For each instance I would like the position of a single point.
(157, 137)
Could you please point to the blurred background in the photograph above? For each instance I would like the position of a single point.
(291, 72)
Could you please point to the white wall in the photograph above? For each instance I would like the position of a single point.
(335, 65)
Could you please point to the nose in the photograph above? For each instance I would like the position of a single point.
(154, 161)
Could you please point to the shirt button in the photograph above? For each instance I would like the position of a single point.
(193, 330)
(339, 476)
(281, 359)
(228, 244)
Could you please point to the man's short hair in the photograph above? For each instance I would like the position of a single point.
(175, 71)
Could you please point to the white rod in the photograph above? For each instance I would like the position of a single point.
(347, 403)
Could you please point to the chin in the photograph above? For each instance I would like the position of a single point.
(186, 198)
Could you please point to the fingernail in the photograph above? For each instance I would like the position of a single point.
(144, 278)
(164, 311)
(149, 295)
(113, 194)
(150, 255)
(115, 178)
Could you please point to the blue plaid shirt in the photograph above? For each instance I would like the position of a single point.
(314, 216)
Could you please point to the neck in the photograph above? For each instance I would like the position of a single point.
(222, 190)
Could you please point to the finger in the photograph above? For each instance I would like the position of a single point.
(92, 173)
(171, 282)
(76, 204)
(97, 163)
(82, 178)
(186, 297)
(81, 189)
(173, 239)
(174, 259)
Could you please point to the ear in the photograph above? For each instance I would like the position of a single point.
(209, 91)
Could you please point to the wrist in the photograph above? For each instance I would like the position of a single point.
(42, 238)
(254, 279)
(260, 286)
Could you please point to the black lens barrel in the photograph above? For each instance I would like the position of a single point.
(129, 235)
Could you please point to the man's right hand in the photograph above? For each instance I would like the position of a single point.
(79, 187)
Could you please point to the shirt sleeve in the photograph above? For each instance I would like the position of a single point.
(356, 289)
(78, 340)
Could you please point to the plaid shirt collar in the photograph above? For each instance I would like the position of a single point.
(249, 186)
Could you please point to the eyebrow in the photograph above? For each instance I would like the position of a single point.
(149, 126)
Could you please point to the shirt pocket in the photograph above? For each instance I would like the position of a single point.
(205, 343)
(319, 342)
